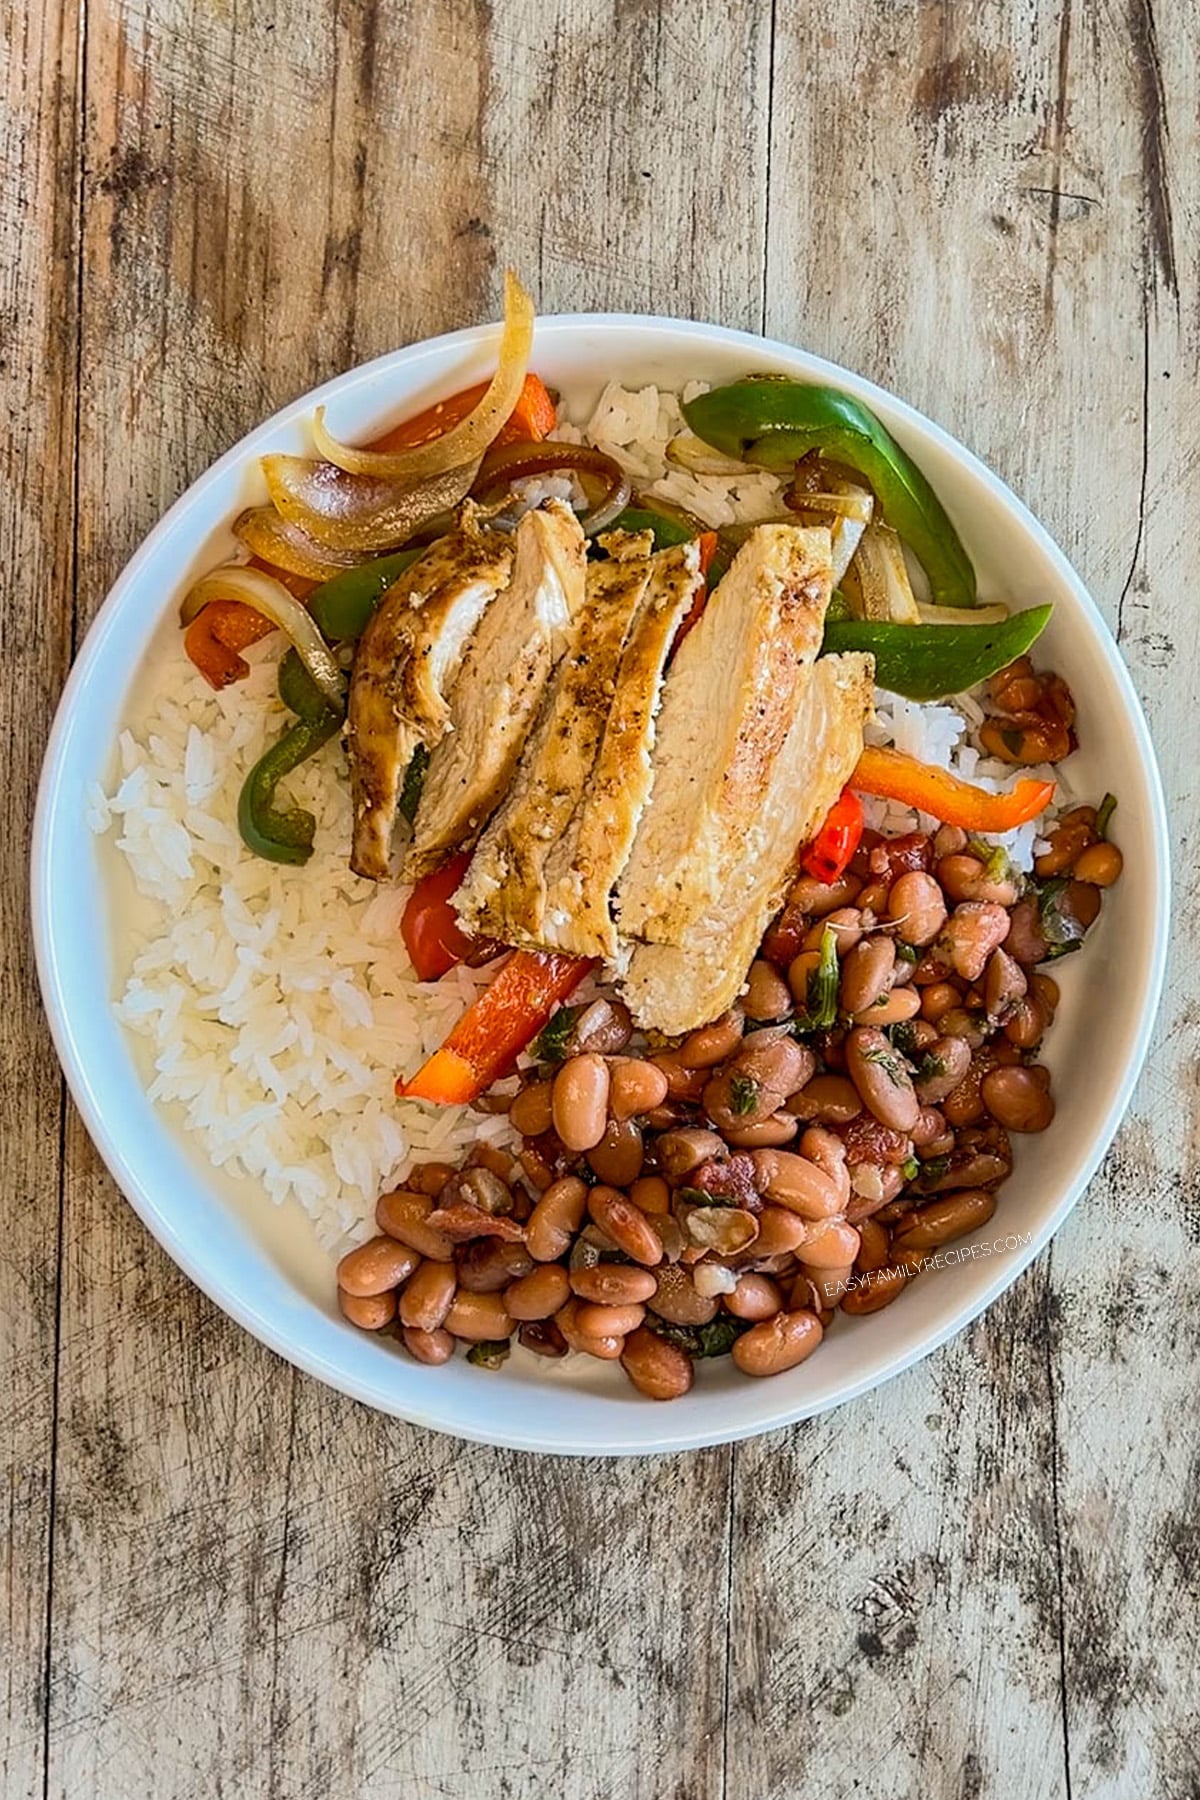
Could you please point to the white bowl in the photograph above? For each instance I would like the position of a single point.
(262, 1265)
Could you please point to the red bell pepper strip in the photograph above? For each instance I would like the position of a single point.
(534, 416)
(828, 856)
(895, 776)
(432, 935)
(491, 1034)
(708, 549)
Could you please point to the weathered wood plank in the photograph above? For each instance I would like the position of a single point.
(38, 250)
(1008, 216)
(1125, 1272)
(260, 1587)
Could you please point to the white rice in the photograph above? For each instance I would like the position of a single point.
(277, 1002)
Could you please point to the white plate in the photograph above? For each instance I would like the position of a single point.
(263, 1266)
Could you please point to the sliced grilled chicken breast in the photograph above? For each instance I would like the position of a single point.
(406, 662)
(504, 894)
(583, 867)
(500, 687)
(729, 702)
(676, 987)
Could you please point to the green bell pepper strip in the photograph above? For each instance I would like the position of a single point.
(666, 531)
(300, 693)
(927, 662)
(775, 422)
(414, 782)
(282, 834)
(342, 606)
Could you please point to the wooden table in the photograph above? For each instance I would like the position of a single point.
(223, 1580)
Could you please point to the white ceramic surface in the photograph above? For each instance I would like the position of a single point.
(262, 1265)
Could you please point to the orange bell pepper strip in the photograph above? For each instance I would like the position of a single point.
(894, 776)
(534, 416)
(493, 1031)
(224, 627)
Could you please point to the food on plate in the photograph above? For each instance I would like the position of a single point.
(697, 847)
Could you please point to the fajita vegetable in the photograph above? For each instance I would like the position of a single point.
(926, 662)
(775, 422)
(491, 1034)
(894, 776)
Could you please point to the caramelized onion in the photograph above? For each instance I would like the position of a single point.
(510, 463)
(270, 598)
(359, 512)
(466, 440)
(288, 546)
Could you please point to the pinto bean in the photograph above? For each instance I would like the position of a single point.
(774, 1061)
(540, 1294)
(777, 1344)
(430, 1178)
(1026, 941)
(877, 1290)
(530, 1113)
(943, 1220)
(614, 1284)
(834, 1247)
(938, 998)
(635, 1087)
(629, 1229)
(683, 1084)
(579, 1101)
(1045, 990)
(890, 1009)
(819, 898)
(607, 1349)
(767, 994)
(918, 906)
(479, 1318)
(974, 929)
(370, 1312)
(755, 1297)
(681, 1152)
(946, 1063)
(866, 973)
(599, 1320)
(650, 1194)
(778, 1128)
(882, 1078)
(657, 1369)
(1017, 1099)
(603, 1028)
(711, 1044)
(431, 1347)
(1004, 984)
(797, 1184)
(847, 924)
(948, 840)
(966, 878)
(930, 1126)
(555, 1219)
(1100, 865)
(403, 1215)
(428, 1296)
(619, 1155)
(543, 1337)
(676, 1300)
(376, 1266)
(831, 1099)
(873, 1246)
(487, 1265)
(779, 1232)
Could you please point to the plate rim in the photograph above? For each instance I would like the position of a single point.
(620, 1440)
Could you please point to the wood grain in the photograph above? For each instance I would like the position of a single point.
(38, 262)
(976, 1583)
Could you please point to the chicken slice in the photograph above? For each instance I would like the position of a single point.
(676, 987)
(504, 894)
(729, 702)
(583, 867)
(406, 661)
(495, 701)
